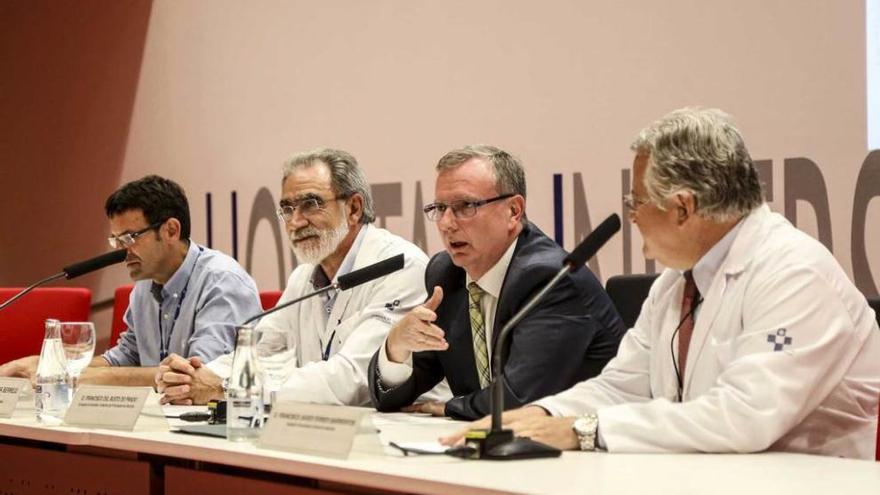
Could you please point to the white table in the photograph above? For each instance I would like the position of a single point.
(176, 463)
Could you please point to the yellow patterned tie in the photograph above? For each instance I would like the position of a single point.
(478, 329)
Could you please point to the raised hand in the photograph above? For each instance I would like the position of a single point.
(416, 331)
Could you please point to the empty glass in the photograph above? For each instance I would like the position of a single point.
(78, 341)
(275, 357)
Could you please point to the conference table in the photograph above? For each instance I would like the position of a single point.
(153, 459)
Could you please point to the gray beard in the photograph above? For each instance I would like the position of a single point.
(328, 241)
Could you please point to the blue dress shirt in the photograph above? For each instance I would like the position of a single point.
(194, 314)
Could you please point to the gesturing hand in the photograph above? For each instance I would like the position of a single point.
(416, 331)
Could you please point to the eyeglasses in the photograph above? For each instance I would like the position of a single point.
(634, 203)
(306, 206)
(460, 209)
(127, 240)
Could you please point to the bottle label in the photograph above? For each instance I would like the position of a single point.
(51, 398)
(245, 412)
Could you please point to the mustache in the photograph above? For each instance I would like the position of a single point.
(305, 232)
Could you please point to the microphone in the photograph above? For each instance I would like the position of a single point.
(73, 271)
(371, 272)
(593, 242)
(96, 263)
(344, 282)
(498, 443)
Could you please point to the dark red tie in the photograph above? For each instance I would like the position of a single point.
(691, 294)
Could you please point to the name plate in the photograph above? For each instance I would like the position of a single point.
(115, 408)
(328, 431)
(10, 389)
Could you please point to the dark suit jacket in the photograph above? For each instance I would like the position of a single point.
(567, 338)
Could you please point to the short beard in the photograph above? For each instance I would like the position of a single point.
(328, 241)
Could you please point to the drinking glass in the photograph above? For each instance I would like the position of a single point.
(78, 341)
(275, 357)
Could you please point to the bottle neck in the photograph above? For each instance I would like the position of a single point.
(244, 338)
(53, 329)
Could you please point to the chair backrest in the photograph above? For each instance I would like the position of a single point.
(269, 298)
(628, 292)
(22, 324)
(874, 302)
(120, 306)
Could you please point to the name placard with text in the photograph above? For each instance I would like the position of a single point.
(115, 408)
(10, 389)
(328, 431)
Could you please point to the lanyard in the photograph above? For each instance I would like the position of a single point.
(165, 342)
(325, 354)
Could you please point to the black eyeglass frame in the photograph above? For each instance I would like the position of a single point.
(435, 211)
(132, 236)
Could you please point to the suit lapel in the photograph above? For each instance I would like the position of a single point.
(506, 303)
(363, 257)
(460, 339)
(339, 306)
(738, 258)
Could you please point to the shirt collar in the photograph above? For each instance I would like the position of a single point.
(492, 281)
(319, 278)
(178, 281)
(707, 267)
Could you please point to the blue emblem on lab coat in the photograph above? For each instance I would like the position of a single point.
(779, 340)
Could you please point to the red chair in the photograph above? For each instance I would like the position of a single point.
(120, 305)
(268, 299)
(22, 324)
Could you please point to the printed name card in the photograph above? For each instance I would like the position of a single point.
(313, 429)
(10, 388)
(115, 408)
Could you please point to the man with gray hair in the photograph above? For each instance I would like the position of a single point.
(494, 261)
(752, 339)
(327, 210)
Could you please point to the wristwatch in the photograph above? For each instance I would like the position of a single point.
(585, 427)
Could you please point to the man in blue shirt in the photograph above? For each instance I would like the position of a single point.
(186, 299)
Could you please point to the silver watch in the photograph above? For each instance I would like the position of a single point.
(585, 427)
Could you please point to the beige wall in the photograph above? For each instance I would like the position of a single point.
(226, 90)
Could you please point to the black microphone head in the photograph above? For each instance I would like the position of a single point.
(593, 242)
(96, 263)
(370, 272)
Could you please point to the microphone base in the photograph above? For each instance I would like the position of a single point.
(503, 446)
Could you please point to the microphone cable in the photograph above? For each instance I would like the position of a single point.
(678, 376)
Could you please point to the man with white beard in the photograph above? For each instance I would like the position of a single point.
(327, 210)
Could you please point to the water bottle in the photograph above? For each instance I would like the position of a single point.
(244, 393)
(52, 393)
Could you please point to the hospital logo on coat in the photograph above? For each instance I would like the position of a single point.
(779, 340)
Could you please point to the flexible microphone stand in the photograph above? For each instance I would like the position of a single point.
(498, 443)
(73, 271)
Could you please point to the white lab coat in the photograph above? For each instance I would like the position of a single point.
(818, 394)
(361, 318)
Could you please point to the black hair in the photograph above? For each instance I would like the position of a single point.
(157, 197)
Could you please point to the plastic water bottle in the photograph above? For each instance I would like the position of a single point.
(52, 393)
(244, 394)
